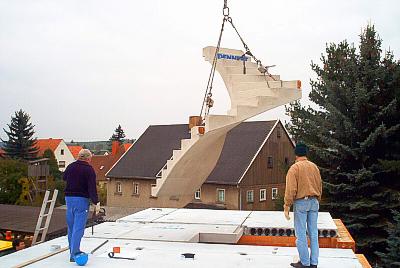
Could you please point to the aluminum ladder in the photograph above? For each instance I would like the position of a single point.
(43, 229)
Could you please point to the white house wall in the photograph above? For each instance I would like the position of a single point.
(67, 157)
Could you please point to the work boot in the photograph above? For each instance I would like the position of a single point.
(299, 265)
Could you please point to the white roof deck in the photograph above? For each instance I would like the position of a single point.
(177, 232)
(169, 254)
(159, 237)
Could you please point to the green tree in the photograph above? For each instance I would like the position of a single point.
(53, 164)
(20, 144)
(55, 180)
(11, 171)
(392, 257)
(118, 135)
(353, 133)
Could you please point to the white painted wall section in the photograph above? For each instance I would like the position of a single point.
(67, 156)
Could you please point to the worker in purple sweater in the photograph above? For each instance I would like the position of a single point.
(81, 186)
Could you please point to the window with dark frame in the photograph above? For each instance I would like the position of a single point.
(62, 152)
(250, 196)
(274, 193)
(61, 164)
(269, 162)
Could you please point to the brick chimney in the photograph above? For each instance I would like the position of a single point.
(195, 121)
(114, 147)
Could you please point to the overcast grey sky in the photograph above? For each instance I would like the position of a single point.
(80, 68)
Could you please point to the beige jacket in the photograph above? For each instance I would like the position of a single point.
(303, 179)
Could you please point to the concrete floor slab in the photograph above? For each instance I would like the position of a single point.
(169, 254)
(206, 216)
(111, 229)
(147, 215)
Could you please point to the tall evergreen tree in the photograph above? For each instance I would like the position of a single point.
(118, 135)
(20, 144)
(354, 134)
(392, 257)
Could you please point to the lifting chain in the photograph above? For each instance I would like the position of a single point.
(207, 100)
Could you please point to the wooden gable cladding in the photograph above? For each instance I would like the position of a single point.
(278, 146)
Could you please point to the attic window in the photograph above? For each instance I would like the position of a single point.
(101, 167)
(62, 152)
(269, 162)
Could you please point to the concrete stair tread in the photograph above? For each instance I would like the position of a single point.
(252, 77)
(248, 64)
(239, 70)
(243, 86)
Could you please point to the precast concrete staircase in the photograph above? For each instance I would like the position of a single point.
(251, 93)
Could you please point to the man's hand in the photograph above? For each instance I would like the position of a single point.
(286, 211)
(97, 208)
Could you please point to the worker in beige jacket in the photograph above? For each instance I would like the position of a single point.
(304, 190)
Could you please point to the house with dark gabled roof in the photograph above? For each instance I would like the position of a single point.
(249, 175)
(102, 163)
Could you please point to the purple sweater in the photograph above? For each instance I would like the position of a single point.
(81, 181)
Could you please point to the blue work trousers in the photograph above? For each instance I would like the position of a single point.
(305, 221)
(77, 211)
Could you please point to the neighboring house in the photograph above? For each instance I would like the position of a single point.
(75, 149)
(59, 148)
(249, 175)
(102, 163)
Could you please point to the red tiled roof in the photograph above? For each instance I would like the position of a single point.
(44, 144)
(127, 146)
(75, 150)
